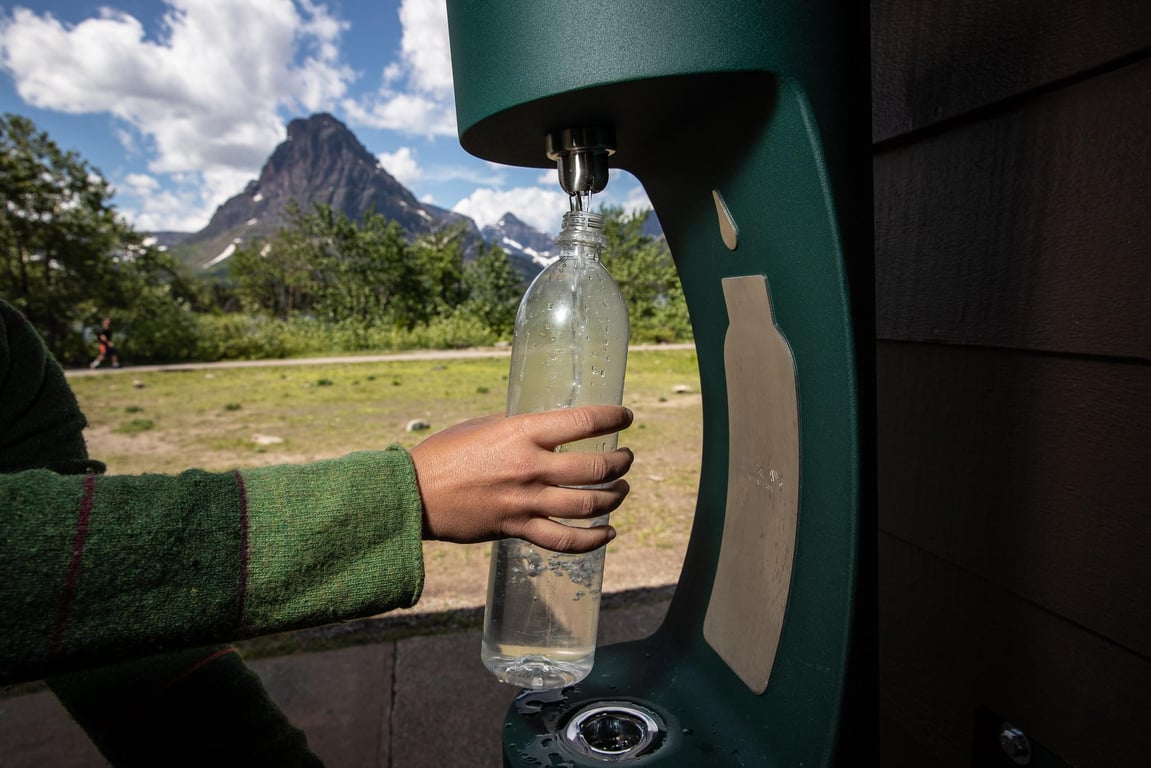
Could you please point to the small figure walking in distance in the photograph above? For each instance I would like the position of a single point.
(107, 348)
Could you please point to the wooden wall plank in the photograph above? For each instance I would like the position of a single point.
(1029, 228)
(1013, 224)
(951, 643)
(935, 59)
(1029, 470)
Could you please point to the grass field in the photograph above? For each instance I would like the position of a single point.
(224, 418)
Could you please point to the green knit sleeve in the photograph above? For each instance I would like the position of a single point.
(332, 540)
(40, 421)
(94, 569)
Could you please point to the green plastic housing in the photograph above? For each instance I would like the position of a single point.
(768, 103)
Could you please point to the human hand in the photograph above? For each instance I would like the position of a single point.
(500, 477)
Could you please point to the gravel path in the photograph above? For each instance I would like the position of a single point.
(423, 354)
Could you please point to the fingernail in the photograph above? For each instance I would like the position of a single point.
(610, 534)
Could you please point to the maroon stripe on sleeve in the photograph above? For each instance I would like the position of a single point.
(185, 674)
(72, 581)
(242, 589)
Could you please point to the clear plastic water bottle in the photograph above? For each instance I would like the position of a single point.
(570, 349)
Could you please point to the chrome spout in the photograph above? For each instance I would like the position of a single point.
(581, 156)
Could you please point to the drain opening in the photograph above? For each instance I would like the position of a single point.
(613, 731)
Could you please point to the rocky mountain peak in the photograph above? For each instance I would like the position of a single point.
(323, 147)
(517, 237)
(318, 124)
(322, 161)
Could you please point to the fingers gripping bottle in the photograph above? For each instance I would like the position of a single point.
(570, 349)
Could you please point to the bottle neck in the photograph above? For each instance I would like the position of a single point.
(581, 235)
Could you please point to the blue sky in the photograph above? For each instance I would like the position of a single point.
(179, 102)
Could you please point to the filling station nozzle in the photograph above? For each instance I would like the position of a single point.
(581, 156)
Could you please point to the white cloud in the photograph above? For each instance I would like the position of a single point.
(153, 207)
(537, 206)
(425, 45)
(402, 164)
(634, 198)
(416, 93)
(139, 184)
(184, 202)
(410, 113)
(204, 96)
(492, 176)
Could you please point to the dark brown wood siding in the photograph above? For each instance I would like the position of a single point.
(1012, 160)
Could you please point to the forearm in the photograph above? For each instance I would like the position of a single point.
(94, 569)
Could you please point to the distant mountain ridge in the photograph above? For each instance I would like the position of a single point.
(514, 236)
(322, 162)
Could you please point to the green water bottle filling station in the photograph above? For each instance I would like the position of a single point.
(748, 125)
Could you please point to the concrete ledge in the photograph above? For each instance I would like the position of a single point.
(370, 694)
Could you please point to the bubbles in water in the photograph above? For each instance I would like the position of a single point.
(580, 570)
(533, 564)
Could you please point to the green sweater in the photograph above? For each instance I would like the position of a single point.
(97, 569)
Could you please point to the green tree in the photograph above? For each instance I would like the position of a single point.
(58, 231)
(647, 278)
(157, 326)
(324, 264)
(367, 272)
(494, 289)
(274, 276)
(440, 261)
(66, 256)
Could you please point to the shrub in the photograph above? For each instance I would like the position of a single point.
(134, 426)
(240, 337)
